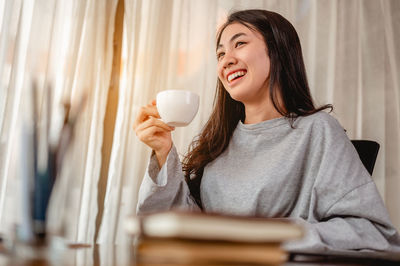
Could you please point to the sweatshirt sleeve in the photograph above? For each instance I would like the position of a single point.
(346, 211)
(165, 189)
(358, 221)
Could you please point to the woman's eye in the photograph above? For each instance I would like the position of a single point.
(220, 55)
(239, 44)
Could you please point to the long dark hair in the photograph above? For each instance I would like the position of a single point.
(288, 82)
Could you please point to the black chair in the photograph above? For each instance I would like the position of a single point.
(368, 152)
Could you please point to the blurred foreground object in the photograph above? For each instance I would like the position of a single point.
(182, 237)
(42, 163)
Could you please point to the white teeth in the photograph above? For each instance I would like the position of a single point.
(236, 74)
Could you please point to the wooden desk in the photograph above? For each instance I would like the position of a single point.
(125, 255)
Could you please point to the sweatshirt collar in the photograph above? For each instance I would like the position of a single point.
(267, 124)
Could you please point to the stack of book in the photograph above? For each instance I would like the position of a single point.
(188, 238)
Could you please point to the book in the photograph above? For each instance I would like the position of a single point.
(202, 226)
(201, 238)
(165, 251)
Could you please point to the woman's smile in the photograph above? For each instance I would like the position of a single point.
(235, 75)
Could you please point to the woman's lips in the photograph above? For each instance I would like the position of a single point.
(235, 81)
(235, 75)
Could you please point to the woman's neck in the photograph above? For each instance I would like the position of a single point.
(261, 111)
(256, 115)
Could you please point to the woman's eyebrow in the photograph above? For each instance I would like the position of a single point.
(237, 35)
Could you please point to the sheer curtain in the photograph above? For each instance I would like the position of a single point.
(350, 56)
(173, 56)
(66, 46)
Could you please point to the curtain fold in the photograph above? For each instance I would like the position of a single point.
(82, 168)
(16, 24)
(66, 48)
(390, 155)
(350, 54)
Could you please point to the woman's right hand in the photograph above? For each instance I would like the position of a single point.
(153, 132)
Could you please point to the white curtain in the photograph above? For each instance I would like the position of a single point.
(66, 46)
(173, 56)
(350, 56)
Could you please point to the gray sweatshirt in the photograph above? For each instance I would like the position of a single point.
(310, 173)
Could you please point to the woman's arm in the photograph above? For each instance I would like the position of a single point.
(165, 188)
(358, 221)
(345, 210)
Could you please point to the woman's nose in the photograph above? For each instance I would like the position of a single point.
(229, 60)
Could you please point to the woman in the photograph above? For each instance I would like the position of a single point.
(266, 149)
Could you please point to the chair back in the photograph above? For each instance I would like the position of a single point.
(368, 152)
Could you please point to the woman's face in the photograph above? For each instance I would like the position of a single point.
(243, 63)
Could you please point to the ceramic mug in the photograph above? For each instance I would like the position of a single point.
(177, 108)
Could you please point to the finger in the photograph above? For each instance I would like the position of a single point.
(149, 134)
(144, 113)
(151, 122)
(152, 103)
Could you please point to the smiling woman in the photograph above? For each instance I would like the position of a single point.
(265, 47)
(266, 150)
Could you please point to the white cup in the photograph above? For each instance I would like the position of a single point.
(177, 108)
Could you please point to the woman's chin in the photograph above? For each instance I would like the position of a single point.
(238, 96)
